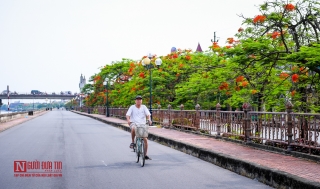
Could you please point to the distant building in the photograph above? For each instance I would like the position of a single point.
(199, 49)
(82, 83)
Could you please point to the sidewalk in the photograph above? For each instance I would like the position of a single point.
(275, 169)
(6, 125)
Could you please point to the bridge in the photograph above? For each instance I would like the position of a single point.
(41, 95)
(44, 96)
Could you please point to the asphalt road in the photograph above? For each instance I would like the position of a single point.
(97, 155)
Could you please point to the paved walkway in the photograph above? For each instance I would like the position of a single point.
(6, 125)
(298, 167)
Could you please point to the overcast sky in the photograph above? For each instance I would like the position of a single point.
(46, 44)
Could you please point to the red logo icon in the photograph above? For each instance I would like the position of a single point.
(20, 166)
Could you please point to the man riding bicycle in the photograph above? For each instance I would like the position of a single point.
(137, 114)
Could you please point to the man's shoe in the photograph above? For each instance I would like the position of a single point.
(131, 145)
(147, 158)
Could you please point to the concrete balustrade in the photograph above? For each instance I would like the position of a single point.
(16, 115)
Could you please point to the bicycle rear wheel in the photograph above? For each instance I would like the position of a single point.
(142, 153)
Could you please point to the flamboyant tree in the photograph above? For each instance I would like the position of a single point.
(268, 52)
(273, 58)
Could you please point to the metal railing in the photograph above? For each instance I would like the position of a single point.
(288, 130)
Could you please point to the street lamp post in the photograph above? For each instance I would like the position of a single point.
(0, 105)
(72, 103)
(46, 104)
(147, 63)
(80, 105)
(106, 83)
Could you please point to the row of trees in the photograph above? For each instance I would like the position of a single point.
(275, 57)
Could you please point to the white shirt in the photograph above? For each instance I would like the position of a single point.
(138, 115)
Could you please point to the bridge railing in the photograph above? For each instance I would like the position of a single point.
(288, 130)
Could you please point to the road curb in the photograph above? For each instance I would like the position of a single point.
(272, 177)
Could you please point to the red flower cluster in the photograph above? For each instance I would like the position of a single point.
(240, 78)
(180, 65)
(188, 57)
(275, 34)
(215, 45)
(132, 66)
(293, 93)
(175, 56)
(230, 40)
(223, 86)
(244, 84)
(237, 88)
(130, 70)
(98, 77)
(254, 91)
(283, 76)
(240, 29)
(259, 18)
(228, 46)
(141, 75)
(295, 78)
(289, 7)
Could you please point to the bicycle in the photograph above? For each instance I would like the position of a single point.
(141, 131)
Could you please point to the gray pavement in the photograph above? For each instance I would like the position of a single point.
(97, 155)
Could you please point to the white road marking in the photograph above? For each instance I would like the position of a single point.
(104, 163)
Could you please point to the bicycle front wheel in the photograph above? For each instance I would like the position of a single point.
(137, 150)
(142, 153)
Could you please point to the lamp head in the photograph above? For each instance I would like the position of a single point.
(146, 61)
(158, 62)
(105, 81)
